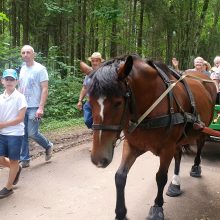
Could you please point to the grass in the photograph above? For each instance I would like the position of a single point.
(49, 125)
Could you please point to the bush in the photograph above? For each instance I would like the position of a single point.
(63, 97)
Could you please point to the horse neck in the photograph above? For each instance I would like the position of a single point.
(147, 86)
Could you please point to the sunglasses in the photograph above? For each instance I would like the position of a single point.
(9, 79)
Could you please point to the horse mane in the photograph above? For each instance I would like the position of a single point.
(104, 80)
(160, 64)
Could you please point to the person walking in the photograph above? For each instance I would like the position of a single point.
(33, 83)
(12, 112)
(96, 60)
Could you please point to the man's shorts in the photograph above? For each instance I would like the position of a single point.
(10, 146)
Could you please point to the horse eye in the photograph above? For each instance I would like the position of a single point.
(117, 104)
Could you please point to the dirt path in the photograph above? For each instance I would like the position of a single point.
(62, 140)
(70, 187)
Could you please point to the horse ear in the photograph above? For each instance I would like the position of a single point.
(125, 68)
(85, 68)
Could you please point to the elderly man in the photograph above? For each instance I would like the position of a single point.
(96, 60)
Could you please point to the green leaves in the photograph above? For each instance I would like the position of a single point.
(3, 17)
(63, 97)
(54, 8)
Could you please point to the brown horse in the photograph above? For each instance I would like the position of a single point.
(156, 111)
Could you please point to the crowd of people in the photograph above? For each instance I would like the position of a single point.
(201, 65)
(20, 114)
(22, 107)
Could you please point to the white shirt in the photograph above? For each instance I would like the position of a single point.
(10, 105)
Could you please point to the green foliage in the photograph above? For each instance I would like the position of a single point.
(53, 8)
(107, 13)
(3, 17)
(63, 97)
(56, 66)
(9, 57)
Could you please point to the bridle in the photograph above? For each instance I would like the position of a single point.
(118, 128)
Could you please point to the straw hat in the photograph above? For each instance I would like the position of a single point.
(96, 55)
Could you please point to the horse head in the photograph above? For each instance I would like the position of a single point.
(114, 87)
(108, 98)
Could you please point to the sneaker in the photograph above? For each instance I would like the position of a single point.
(5, 192)
(18, 175)
(49, 152)
(25, 163)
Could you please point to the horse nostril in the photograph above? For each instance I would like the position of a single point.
(104, 162)
(100, 163)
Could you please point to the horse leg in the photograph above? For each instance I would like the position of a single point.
(128, 158)
(174, 187)
(156, 211)
(196, 168)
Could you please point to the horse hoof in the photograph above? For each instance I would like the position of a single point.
(196, 171)
(173, 190)
(155, 213)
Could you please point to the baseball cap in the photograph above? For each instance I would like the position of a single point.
(10, 72)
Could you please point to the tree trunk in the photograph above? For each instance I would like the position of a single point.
(140, 33)
(1, 9)
(200, 25)
(83, 40)
(96, 40)
(72, 43)
(113, 44)
(14, 23)
(79, 31)
(26, 4)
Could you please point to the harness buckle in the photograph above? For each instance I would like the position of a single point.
(132, 126)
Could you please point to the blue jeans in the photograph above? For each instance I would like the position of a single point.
(32, 131)
(87, 114)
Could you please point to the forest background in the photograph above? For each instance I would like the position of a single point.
(63, 32)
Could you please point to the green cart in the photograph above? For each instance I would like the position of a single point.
(215, 125)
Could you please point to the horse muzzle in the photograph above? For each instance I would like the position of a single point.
(102, 157)
(102, 163)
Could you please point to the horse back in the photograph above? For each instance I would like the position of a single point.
(204, 92)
